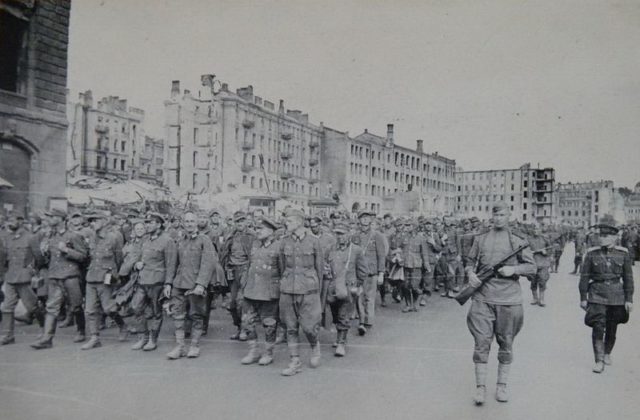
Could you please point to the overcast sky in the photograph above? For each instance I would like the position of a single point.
(492, 84)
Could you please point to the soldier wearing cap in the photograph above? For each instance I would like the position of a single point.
(373, 245)
(302, 263)
(451, 254)
(20, 254)
(496, 307)
(65, 251)
(195, 265)
(327, 242)
(388, 231)
(433, 246)
(261, 292)
(156, 267)
(606, 292)
(348, 272)
(541, 247)
(235, 258)
(102, 276)
(415, 259)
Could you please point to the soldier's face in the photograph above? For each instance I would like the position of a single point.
(241, 225)
(365, 221)
(13, 223)
(215, 219)
(341, 237)
(293, 223)
(189, 222)
(608, 240)
(139, 230)
(314, 226)
(500, 218)
(97, 224)
(152, 225)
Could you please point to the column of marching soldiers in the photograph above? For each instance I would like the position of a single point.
(97, 268)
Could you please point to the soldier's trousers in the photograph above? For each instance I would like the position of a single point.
(300, 311)
(15, 292)
(367, 300)
(454, 274)
(146, 307)
(604, 320)
(539, 280)
(427, 280)
(235, 300)
(254, 311)
(193, 305)
(341, 310)
(486, 320)
(99, 300)
(58, 289)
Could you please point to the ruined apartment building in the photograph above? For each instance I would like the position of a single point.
(583, 204)
(221, 141)
(528, 191)
(105, 140)
(34, 36)
(372, 172)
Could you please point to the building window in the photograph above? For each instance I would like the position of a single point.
(123, 146)
(195, 159)
(194, 180)
(13, 50)
(122, 163)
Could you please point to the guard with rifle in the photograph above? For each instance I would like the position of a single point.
(496, 260)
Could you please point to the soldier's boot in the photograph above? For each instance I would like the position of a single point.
(152, 343)
(598, 351)
(39, 315)
(267, 356)
(341, 349)
(68, 319)
(194, 347)
(314, 361)
(481, 381)
(123, 331)
(142, 340)
(541, 300)
(10, 325)
(94, 342)
(46, 341)
(254, 354)
(502, 394)
(607, 359)
(295, 366)
(281, 336)
(179, 350)
(534, 293)
(80, 324)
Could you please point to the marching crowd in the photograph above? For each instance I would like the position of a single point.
(287, 275)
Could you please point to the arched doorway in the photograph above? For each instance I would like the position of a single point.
(15, 167)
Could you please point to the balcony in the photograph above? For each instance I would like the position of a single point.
(285, 155)
(247, 168)
(313, 162)
(286, 136)
(101, 128)
(313, 144)
(286, 175)
(246, 145)
(248, 124)
(313, 180)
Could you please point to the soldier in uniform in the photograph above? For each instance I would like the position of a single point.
(327, 242)
(496, 308)
(373, 245)
(606, 292)
(195, 265)
(540, 245)
(157, 266)
(302, 263)
(415, 259)
(236, 254)
(102, 275)
(261, 292)
(348, 272)
(433, 245)
(65, 252)
(451, 256)
(580, 242)
(20, 253)
(388, 231)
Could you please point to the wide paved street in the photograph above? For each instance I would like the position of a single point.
(410, 366)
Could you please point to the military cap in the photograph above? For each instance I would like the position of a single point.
(364, 213)
(239, 216)
(316, 218)
(271, 224)
(387, 215)
(604, 229)
(56, 212)
(428, 222)
(157, 216)
(335, 215)
(96, 215)
(214, 211)
(499, 206)
(341, 228)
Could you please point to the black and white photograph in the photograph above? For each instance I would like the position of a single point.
(319, 209)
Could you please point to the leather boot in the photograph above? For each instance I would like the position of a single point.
(314, 361)
(502, 394)
(46, 341)
(93, 342)
(295, 366)
(68, 320)
(39, 316)
(142, 340)
(541, 300)
(535, 297)
(598, 351)
(179, 350)
(254, 354)
(194, 348)
(607, 359)
(481, 381)
(341, 349)
(10, 325)
(80, 324)
(152, 342)
(267, 356)
(281, 336)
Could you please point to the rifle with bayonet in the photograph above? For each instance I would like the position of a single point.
(485, 275)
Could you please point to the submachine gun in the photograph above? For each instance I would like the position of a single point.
(485, 275)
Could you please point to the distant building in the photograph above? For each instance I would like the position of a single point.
(33, 75)
(107, 140)
(632, 206)
(224, 141)
(372, 172)
(528, 191)
(585, 203)
(152, 160)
